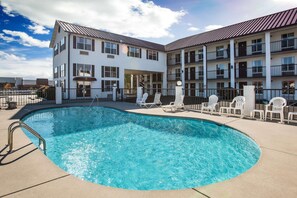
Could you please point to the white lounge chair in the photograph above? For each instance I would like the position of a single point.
(210, 105)
(174, 106)
(156, 102)
(278, 104)
(236, 105)
(143, 99)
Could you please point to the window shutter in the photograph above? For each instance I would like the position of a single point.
(65, 42)
(102, 50)
(118, 72)
(118, 49)
(93, 70)
(74, 42)
(102, 71)
(128, 51)
(60, 47)
(140, 53)
(93, 45)
(74, 69)
(102, 85)
(118, 84)
(157, 56)
(146, 54)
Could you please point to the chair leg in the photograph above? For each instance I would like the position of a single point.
(282, 117)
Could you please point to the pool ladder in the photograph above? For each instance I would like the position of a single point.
(19, 124)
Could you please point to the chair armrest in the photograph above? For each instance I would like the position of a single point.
(171, 103)
(204, 104)
(266, 107)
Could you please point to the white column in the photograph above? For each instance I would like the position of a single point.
(58, 95)
(250, 99)
(232, 64)
(164, 83)
(131, 81)
(122, 78)
(268, 63)
(151, 84)
(137, 81)
(114, 92)
(182, 53)
(204, 70)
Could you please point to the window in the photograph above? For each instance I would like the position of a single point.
(134, 52)
(257, 67)
(157, 77)
(256, 45)
(108, 84)
(152, 55)
(288, 64)
(220, 52)
(177, 58)
(200, 87)
(62, 44)
(84, 70)
(288, 87)
(56, 49)
(110, 72)
(62, 70)
(56, 75)
(84, 43)
(110, 48)
(258, 87)
(200, 55)
(288, 40)
(220, 70)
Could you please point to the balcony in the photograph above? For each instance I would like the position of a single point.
(217, 55)
(173, 61)
(260, 71)
(284, 70)
(284, 45)
(195, 58)
(174, 77)
(250, 72)
(250, 50)
(218, 74)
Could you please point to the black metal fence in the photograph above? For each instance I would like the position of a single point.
(193, 97)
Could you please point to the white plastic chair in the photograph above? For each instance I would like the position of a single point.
(143, 99)
(174, 106)
(210, 105)
(277, 107)
(157, 101)
(236, 105)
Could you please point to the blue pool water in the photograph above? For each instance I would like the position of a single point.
(133, 151)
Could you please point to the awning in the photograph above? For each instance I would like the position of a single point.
(82, 78)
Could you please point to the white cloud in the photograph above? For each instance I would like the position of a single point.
(212, 27)
(193, 29)
(130, 17)
(38, 29)
(23, 39)
(17, 66)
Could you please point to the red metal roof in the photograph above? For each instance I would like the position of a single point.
(270, 22)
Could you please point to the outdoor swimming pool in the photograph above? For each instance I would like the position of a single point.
(135, 151)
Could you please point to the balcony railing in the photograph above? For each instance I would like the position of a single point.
(194, 59)
(221, 54)
(174, 77)
(284, 45)
(173, 61)
(284, 70)
(218, 74)
(255, 49)
(250, 72)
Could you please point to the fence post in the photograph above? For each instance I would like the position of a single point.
(58, 95)
(114, 92)
(250, 99)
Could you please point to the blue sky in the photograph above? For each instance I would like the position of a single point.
(26, 26)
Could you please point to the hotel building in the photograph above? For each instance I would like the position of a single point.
(260, 52)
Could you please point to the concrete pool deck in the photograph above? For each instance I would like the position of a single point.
(26, 172)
